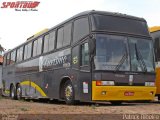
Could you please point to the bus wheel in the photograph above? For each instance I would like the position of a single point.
(12, 92)
(69, 93)
(116, 102)
(158, 97)
(18, 92)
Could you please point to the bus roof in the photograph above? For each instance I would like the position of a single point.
(79, 15)
(154, 29)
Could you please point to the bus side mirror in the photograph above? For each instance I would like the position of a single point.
(92, 46)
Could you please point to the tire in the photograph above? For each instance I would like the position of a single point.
(12, 92)
(69, 93)
(158, 97)
(18, 92)
(116, 102)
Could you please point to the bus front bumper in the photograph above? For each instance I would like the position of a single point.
(122, 93)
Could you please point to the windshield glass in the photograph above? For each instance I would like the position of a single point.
(110, 51)
(120, 53)
(141, 53)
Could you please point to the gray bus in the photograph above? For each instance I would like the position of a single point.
(93, 56)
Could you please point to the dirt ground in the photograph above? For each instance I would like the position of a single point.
(24, 107)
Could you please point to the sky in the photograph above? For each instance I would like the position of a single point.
(17, 26)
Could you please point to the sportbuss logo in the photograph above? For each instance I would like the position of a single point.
(21, 5)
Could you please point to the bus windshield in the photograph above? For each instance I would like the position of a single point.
(141, 53)
(117, 52)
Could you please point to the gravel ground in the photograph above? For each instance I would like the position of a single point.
(8, 106)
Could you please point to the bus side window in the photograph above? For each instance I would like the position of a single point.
(25, 51)
(51, 41)
(35, 48)
(81, 28)
(13, 57)
(67, 34)
(84, 54)
(8, 58)
(46, 43)
(60, 37)
(4, 60)
(39, 46)
(20, 54)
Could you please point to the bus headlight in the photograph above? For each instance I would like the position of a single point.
(149, 84)
(103, 83)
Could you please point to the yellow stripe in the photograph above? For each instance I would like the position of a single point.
(34, 85)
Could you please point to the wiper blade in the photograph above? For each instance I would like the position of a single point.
(124, 57)
(140, 59)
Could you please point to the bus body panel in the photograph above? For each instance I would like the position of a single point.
(104, 93)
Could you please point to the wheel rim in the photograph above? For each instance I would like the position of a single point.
(69, 92)
(18, 92)
(12, 92)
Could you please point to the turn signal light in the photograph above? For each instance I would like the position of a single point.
(105, 83)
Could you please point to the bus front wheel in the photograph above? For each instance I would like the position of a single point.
(69, 93)
(12, 92)
(18, 92)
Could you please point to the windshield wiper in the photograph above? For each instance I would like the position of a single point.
(140, 59)
(124, 57)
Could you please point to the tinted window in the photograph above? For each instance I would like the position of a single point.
(39, 46)
(27, 51)
(84, 54)
(120, 24)
(4, 60)
(13, 57)
(8, 58)
(20, 54)
(35, 48)
(46, 41)
(60, 38)
(81, 29)
(67, 34)
(51, 40)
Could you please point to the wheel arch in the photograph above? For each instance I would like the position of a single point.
(61, 86)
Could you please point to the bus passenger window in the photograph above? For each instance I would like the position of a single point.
(4, 60)
(27, 51)
(46, 39)
(20, 54)
(51, 40)
(35, 48)
(39, 46)
(13, 57)
(8, 58)
(84, 54)
(60, 38)
(81, 29)
(67, 34)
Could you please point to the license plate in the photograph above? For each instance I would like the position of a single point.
(127, 93)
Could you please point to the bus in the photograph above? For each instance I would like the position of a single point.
(155, 33)
(93, 56)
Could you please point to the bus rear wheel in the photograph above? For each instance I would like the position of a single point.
(159, 97)
(18, 92)
(12, 92)
(69, 93)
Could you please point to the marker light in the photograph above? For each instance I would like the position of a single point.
(103, 83)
